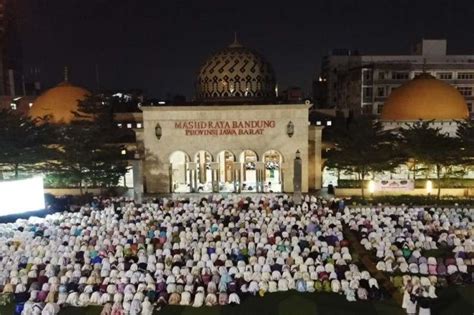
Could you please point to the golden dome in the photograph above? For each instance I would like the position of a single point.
(59, 102)
(425, 98)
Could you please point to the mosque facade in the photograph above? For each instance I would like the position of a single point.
(235, 137)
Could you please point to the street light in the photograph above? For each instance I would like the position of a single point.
(429, 187)
(371, 187)
(158, 131)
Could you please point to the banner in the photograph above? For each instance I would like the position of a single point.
(394, 185)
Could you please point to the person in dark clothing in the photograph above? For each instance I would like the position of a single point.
(425, 303)
(331, 190)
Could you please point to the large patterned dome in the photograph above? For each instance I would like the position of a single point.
(236, 74)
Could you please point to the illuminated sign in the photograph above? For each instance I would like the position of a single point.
(224, 127)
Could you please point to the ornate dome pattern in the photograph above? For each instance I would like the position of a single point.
(236, 74)
(59, 102)
(425, 98)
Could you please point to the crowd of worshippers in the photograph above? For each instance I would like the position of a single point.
(211, 251)
(421, 248)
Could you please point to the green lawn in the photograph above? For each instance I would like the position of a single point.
(280, 303)
(453, 300)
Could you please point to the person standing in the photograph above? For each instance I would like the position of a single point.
(424, 302)
(411, 305)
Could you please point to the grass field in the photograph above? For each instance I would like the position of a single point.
(280, 303)
(453, 300)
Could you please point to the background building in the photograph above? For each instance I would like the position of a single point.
(16, 91)
(359, 83)
(424, 98)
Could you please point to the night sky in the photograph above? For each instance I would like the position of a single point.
(159, 45)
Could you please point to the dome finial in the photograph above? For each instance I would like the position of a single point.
(424, 74)
(66, 74)
(236, 42)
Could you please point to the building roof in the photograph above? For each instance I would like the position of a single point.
(425, 98)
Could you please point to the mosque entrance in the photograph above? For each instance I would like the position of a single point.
(179, 175)
(273, 175)
(225, 173)
(204, 173)
(249, 160)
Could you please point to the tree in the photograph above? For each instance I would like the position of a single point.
(362, 147)
(465, 134)
(427, 145)
(24, 142)
(91, 146)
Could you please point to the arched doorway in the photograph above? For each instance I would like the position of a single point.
(203, 161)
(179, 177)
(273, 173)
(226, 161)
(249, 160)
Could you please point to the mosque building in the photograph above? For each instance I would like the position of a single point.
(424, 98)
(428, 99)
(235, 137)
(59, 102)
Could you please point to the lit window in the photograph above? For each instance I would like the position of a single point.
(124, 152)
(119, 125)
(466, 75)
(129, 125)
(30, 105)
(318, 123)
(139, 125)
(329, 123)
(13, 106)
(444, 75)
(161, 102)
(465, 90)
(400, 75)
